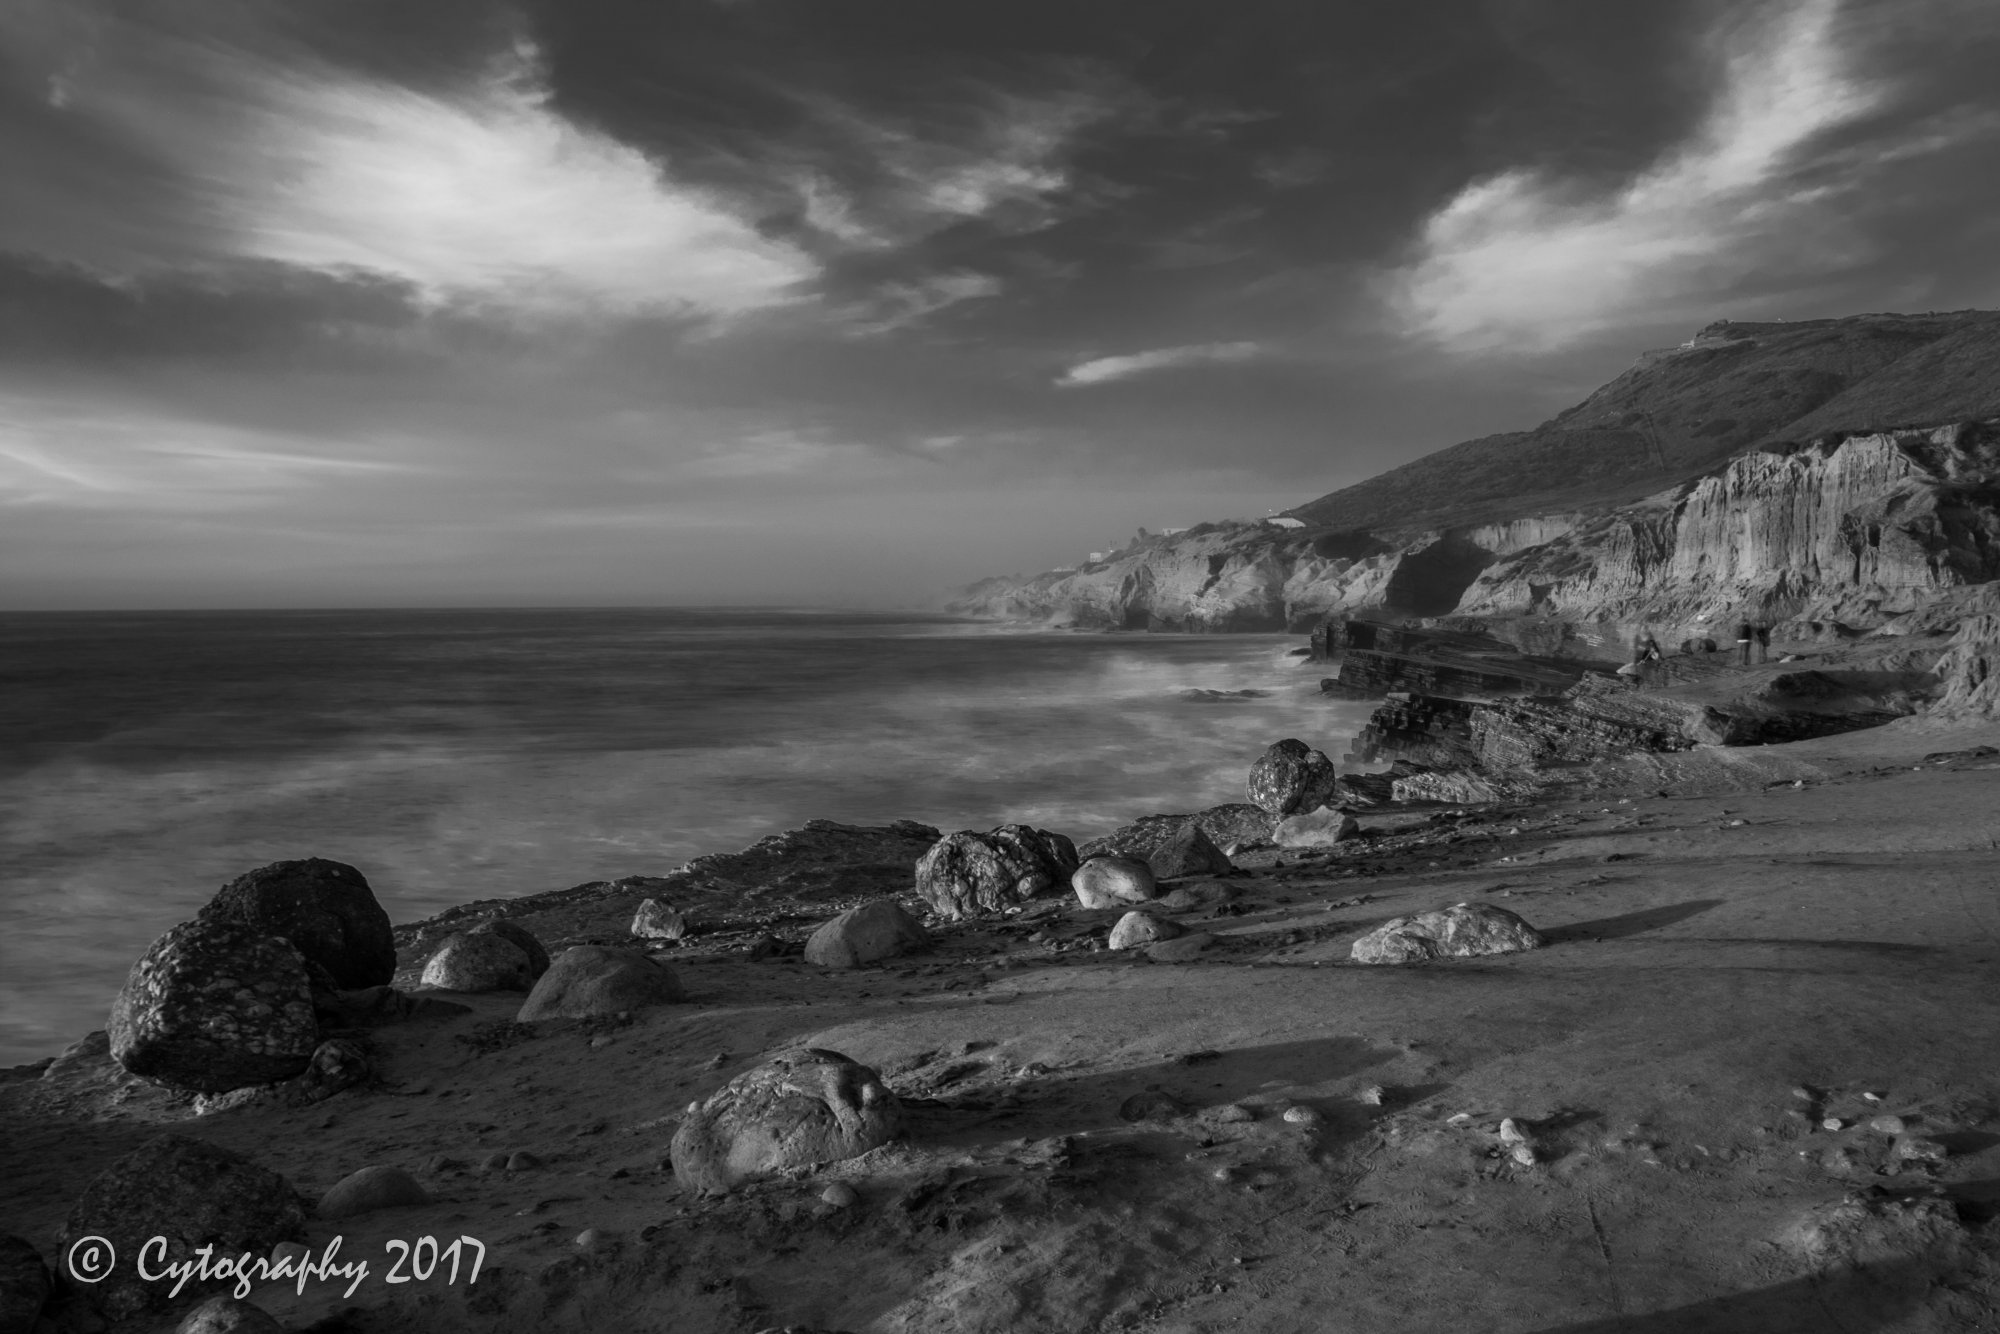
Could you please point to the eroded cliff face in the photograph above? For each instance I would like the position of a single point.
(1860, 531)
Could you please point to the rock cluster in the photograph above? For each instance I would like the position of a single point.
(968, 874)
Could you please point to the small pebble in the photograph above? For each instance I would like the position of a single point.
(522, 1161)
(1511, 1132)
(1234, 1112)
(1302, 1116)
(1920, 1150)
(1458, 1119)
(840, 1195)
(1888, 1125)
(1832, 1123)
(1372, 1095)
(1524, 1155)
(1802, 1093)
(1872, 1097)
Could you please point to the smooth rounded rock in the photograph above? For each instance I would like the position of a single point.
(470, 961)
(800, 1108)
(1315, 829)
(1111, 882)
(968, 874)
(1291, 778)
(371, 1189)
(1465, 930)
(659, 921)
(324, 908)
(189, 1192)
(1135, 929)
(872, 931)
(589, 980)
(214, 1006)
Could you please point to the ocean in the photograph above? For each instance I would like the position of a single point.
(455, 755)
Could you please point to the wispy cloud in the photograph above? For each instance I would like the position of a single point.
(1528, 259)
(482, 193)
(1103, 370)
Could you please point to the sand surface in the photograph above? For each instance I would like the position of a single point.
(1730, 930)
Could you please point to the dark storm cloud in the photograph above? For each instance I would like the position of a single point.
(665, 298)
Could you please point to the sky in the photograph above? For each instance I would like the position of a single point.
(483, 302)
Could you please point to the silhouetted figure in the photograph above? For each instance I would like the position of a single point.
(1763, 643)
(1743, 635)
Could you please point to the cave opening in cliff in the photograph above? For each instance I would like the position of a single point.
(1431, 582)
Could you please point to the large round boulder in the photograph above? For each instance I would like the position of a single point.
(1189, 852)
(1112, 882)
(479, 961)
(877, 930)
(1291, 777)
(324, 908)
(1464, 930)
(189, 1193)
(798, 1109)
(589, 980)
(214, 1006)
(967, 874)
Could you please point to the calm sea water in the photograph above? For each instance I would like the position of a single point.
(149, 758)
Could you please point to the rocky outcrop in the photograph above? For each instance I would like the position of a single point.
(214, 1006)
(189, 1193)
(324, 908)
(1857, 529)
(1235, 822)
(968, 874)
(823, 860)
(799, 1109)
(1969, 672)
(1465, 930)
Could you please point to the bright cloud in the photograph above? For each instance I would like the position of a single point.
(1524, 259)
(1105, 369)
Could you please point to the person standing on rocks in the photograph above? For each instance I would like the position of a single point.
(1763, 633)
(1743, 644)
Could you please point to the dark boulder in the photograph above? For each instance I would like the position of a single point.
(799, 1109)
(191, 1194)
(213, 1006)
(967, 874)
(24, 1285)
(324, 908)
(1291, 778)
(1189, 852)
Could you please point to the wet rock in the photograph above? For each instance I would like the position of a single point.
(798, 1109)
(659, 921)
(224, 1314)
(468, 961)
(967, 874)
(324, 908)
(878, 930)
(371, 1189)
(25, 1285)
(1135, 929)
(1189, 852)
(1315, 829)
(191, 1193)
(592, 980)
(1179, 950)
(214, 1006)
(1291, 778)
(1462, 931)
(1107, 882)
(519, 936)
